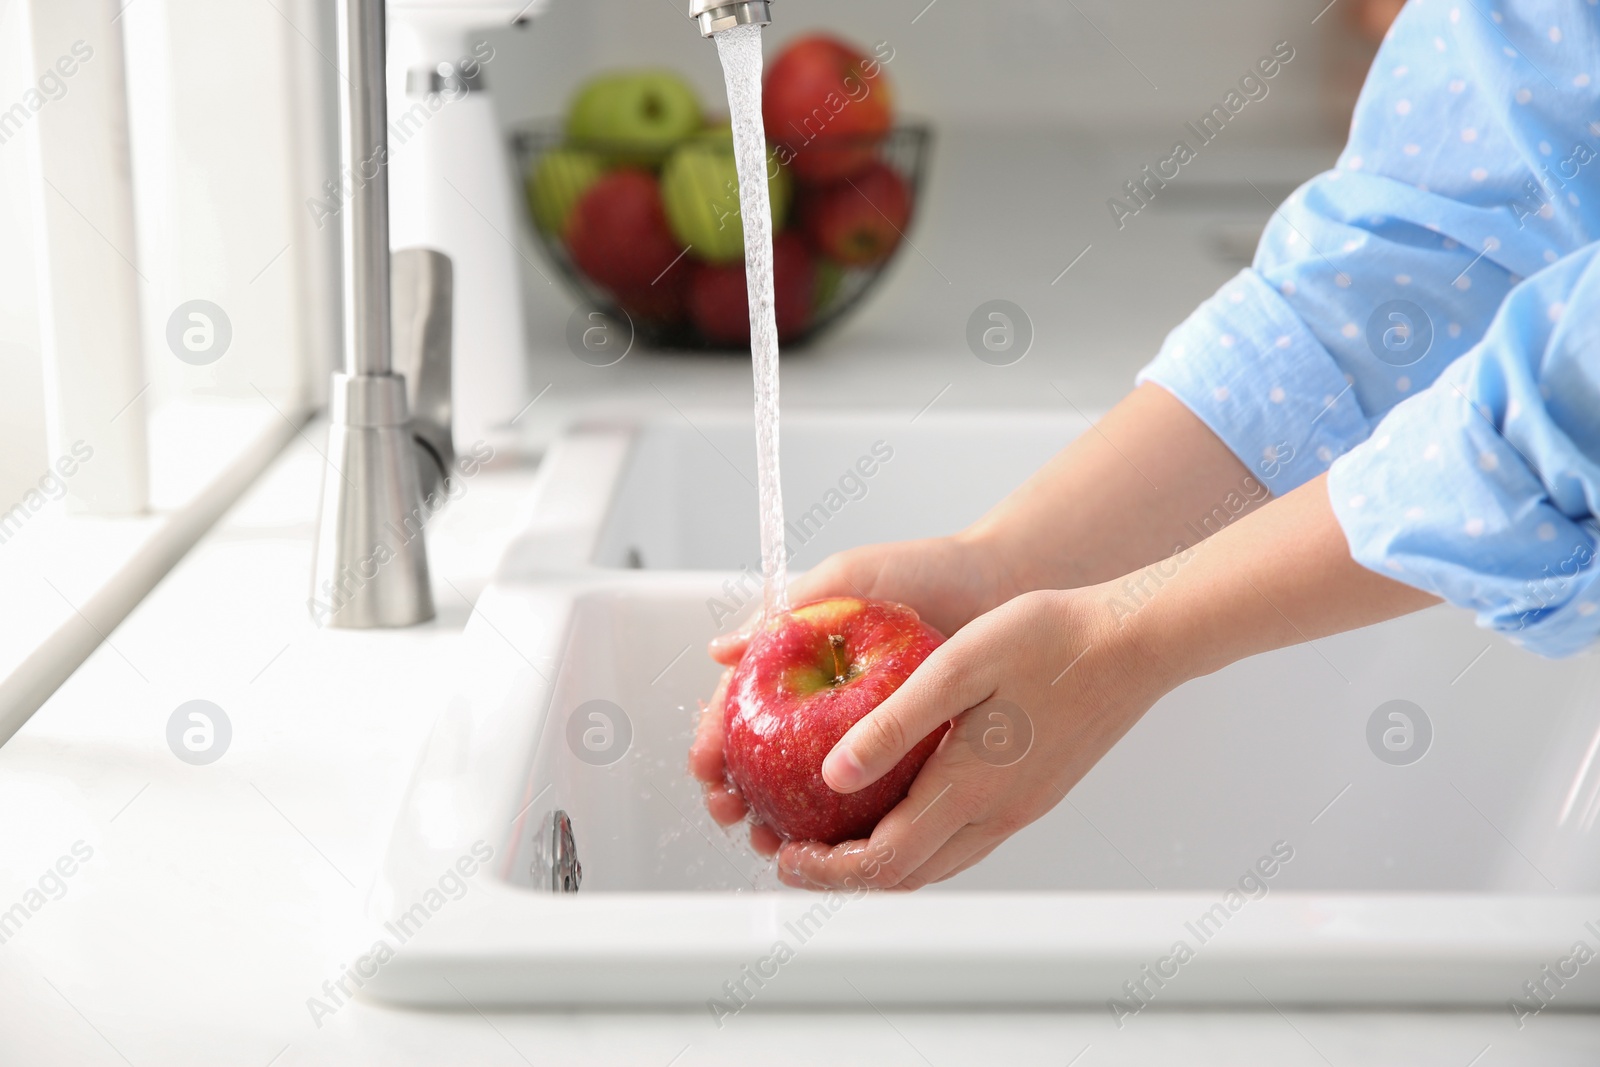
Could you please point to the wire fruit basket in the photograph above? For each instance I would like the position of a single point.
(658, 237)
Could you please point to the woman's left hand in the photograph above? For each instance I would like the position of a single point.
(1039, 689)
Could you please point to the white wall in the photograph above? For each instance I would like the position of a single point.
(23, 456)
(1031, 63)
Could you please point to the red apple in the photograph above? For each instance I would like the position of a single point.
(664, 307)
(826, 105)
(665, 301)
(806, 678)
(859, 221)
(719, 300)
(719, 305)
(618, 232)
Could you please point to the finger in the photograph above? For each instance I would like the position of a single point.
(728, 649)
(967, 864)
(725, 804)
(947, 683)
(764, 839)
(722, 800)
(932, 871)
(812, 865)
(705, 752)
(903, 840)
(838, 575)
(794, 881)
(832, 577)
(967, 843)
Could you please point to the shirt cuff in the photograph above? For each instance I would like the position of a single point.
(1440, 500)
(1251, 370)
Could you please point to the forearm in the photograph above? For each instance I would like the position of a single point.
(1282, 576)
(1147, 480)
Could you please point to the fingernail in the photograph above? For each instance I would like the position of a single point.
(842, 771)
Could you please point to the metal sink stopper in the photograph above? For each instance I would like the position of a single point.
(555, 857)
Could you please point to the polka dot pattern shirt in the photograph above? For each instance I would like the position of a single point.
(1423, 321)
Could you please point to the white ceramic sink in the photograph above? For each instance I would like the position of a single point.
(681, 494)
(1452, 880)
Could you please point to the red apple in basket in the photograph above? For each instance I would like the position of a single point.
(618, 233)
(806, 678)
(664, 302)
(859, 221)
(719, 298)
(827, 104)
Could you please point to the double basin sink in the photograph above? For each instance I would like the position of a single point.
(1269, 834)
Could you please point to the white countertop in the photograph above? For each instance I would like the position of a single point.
(219, 898)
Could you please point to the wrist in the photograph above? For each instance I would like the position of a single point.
(1153, 622)
(1118, 649)
(982, 548)
(1012, 563)
(1282, 575)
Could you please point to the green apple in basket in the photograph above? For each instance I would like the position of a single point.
(559, 181)
(635, 117)
(700, 191)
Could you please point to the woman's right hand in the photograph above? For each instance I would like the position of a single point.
(949, 581)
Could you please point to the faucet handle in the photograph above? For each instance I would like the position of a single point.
(422, 295)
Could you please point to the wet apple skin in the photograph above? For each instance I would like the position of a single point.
(806, 678)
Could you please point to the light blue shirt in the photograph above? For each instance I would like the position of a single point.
(1423, 321)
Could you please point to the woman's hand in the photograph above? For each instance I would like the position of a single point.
(1039, 689)
(947, 580)
(1115, 499)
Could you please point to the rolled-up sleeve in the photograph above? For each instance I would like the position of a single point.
(1460, 179)
(1484, 488)
(1424, 321)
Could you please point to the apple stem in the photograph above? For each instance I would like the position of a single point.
(836, 642)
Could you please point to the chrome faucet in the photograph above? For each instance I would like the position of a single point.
(389, 442)
(389, 433)
(714, 16)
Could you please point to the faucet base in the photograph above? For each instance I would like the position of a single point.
(371, 566)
